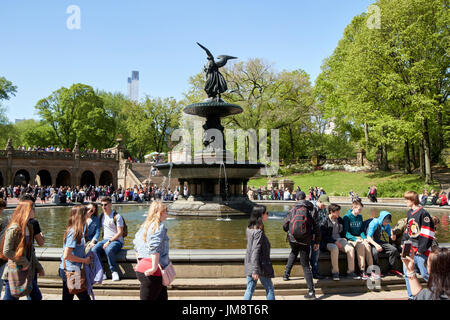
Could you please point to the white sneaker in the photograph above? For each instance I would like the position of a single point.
(104, 276)
(115, 276)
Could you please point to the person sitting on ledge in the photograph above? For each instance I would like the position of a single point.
(356, 237)
(377, 228)
(333, 240)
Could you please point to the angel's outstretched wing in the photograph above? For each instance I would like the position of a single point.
(207, 51)
(223, 60)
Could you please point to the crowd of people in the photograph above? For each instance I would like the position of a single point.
(81, 194)
(311, 226)
(58, 149)
(261, 193)
(317, 226)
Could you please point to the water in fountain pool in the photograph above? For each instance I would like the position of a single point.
(206, 233)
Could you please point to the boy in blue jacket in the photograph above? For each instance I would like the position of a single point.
(374, 234)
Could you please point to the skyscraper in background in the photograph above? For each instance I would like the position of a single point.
(129, 87)
(133, 86)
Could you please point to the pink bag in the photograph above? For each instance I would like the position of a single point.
(168, 274)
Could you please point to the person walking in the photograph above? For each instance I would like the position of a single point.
(73, 250)
(151, 244)
(113, 226)
(302, 233)
(17, 247)
(257, 263)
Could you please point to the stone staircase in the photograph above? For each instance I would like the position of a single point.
(233, 287)
(142, 172)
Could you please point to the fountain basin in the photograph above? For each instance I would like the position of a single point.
(212, 108)
(210, 171)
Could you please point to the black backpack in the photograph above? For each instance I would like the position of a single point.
(125, 227)
(300, 224)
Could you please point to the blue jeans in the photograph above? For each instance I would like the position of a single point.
(111, 252)
(314, 260)
(420, 264)
(251, 285)
(35, 293)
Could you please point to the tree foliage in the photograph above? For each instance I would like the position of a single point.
(150, 124)
(391, 81)
(77, 114)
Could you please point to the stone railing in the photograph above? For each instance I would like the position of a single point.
(57, 155)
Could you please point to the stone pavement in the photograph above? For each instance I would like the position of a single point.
(383, 295)
(392, 288)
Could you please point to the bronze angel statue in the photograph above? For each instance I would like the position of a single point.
(215, 82)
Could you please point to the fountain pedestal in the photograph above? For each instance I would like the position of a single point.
(216, 186)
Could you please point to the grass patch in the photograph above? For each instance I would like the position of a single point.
(339, 183)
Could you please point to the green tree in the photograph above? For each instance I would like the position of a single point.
(392, 82)
(30, 133)
(7, 89)
(77, 113)
(269, 99)
(116, 106)
(150, 125)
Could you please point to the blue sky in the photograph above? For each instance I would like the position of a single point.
(40, 54)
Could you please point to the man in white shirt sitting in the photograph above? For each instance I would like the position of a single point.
(112, 241)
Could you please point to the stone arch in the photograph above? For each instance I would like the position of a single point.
(43, 178)
(63, 179)
(106, 178)
(22, 177)
(87, 178)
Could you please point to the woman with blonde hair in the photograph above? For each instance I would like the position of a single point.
(151, 244)
(73, 248)
(17, 248)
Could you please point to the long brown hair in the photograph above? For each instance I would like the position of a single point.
(20, 217)
(439, 281)
(77, 220)
(95, 207)
(153, 216)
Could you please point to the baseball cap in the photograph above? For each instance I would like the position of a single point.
(324, 199)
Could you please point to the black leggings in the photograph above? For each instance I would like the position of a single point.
(66, 296)
(151, 288)
(303, 250)
(393, 255)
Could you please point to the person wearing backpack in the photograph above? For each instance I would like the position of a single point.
(302, 231)
(114, 229)
(333, 240)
